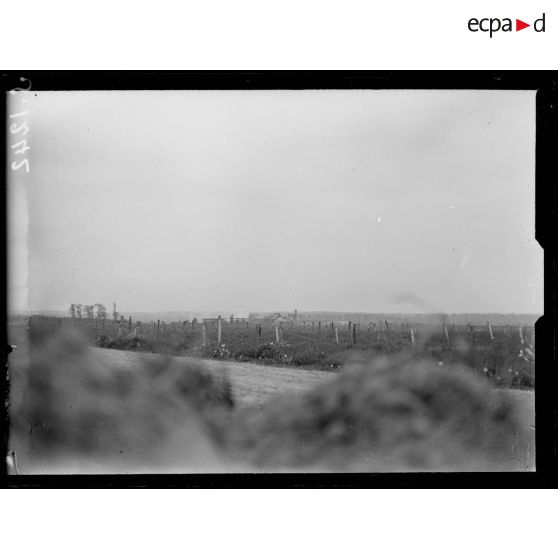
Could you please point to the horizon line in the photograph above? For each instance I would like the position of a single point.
(127, 311)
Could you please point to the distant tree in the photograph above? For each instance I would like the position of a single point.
(114, 312)
(79, 308)
(73, 311)
(101, 310)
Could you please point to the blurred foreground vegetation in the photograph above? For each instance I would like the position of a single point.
(71, 412)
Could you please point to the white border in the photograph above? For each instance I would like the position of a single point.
(287, 34)
(272, 523)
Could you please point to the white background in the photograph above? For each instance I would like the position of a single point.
(279, 524)
(274, 35)
(287, 34)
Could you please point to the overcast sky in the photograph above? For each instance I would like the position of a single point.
(264, 200)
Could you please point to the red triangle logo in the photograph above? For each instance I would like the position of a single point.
(519, 25)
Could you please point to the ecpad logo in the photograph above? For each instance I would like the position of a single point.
(493, 25)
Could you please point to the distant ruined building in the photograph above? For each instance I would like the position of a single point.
(270, 318)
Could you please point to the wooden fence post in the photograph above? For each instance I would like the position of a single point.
(204, 334)
(219, 329)
(353, 338)
(136, 333)
(336, 335)
(412, 337)
(446, 333)
(158, 327)
(277, 333)
(521, 338)
(490, 331)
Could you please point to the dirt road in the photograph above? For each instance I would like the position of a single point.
(253, 384)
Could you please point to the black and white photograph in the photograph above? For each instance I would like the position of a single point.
(272, 280)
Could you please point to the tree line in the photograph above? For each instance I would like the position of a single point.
(89, 311)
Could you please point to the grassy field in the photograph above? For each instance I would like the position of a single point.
(506, 360)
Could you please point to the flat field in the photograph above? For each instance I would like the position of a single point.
(503, 354)
(254, 384)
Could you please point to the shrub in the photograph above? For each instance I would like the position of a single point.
(389, 415)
